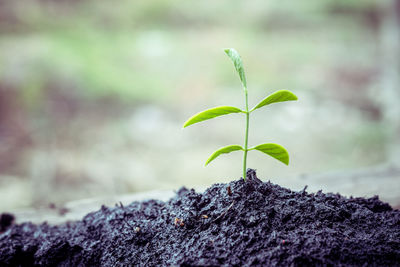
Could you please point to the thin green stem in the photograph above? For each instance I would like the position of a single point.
(246, 137)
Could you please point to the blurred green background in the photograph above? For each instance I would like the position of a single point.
(93, 94)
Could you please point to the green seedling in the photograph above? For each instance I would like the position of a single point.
(274, 150)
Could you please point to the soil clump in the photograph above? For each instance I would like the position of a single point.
(237, 224)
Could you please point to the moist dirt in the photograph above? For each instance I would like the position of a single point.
(237, 224)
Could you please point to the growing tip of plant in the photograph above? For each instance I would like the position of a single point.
(274, 150)
(237, 62)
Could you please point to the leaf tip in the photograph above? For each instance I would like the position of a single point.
(286, 159)
(227, 50)
(291, 94)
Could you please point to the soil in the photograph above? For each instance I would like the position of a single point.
(237, 224)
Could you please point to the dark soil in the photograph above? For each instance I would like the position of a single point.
(252, 223)
(6, 220)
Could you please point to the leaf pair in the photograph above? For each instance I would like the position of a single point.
(278, 96)
(273, 150)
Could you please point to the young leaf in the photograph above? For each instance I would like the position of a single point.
(237, 61)
(278, 96)
(275, 151)
(224, 150)
(211, 113)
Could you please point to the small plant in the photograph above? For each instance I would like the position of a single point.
(274, 150)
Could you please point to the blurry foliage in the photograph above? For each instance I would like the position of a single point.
(130, 49)
(74, 75)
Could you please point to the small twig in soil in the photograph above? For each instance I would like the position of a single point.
(228, 189)
(304, 190)
(223, 214)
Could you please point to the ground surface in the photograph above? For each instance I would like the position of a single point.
(253, 223)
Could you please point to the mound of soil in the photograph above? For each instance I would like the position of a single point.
(236, 224)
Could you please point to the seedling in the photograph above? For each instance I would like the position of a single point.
(274, 150)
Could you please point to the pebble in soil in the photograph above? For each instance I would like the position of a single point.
(236, 224)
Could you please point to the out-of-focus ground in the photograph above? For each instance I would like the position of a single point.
(93, 95)
(383, 178)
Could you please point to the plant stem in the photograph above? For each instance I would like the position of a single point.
(246, 137)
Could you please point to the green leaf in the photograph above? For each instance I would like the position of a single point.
(237, 61)
(278, 96)
(211, 113)
(224, 150)
(275, 151)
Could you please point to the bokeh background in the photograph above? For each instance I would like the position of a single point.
(93, 94)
